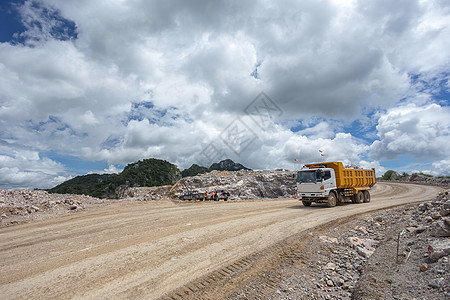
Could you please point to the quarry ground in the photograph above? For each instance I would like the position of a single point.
(174, 249)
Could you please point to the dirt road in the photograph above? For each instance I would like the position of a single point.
(148, 249)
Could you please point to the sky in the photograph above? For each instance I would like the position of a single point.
(91, 86)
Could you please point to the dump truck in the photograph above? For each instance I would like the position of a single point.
(331, 183)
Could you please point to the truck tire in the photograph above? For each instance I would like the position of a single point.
(340, 198)
(331, 199)
(366, 196)
(306, 203)
(359, 198)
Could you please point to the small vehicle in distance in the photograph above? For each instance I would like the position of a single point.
(217, 195)
(222, 194)
(191, 195)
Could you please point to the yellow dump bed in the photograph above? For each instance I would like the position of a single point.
(356, 179)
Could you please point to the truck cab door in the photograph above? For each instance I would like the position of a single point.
(329, 180)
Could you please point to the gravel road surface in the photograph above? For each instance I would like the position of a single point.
(149, 249)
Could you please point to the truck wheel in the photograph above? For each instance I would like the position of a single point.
(331, 200)
(340, 198)
(366, 196)
(306, 203)
(359, 198)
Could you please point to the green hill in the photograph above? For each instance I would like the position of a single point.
(148, 172)
(92, 184)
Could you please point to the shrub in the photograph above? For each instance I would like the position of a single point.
(426, 175)
(387, 175)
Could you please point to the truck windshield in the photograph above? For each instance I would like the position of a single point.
(309, 176)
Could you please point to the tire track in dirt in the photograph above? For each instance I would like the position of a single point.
(117, 240)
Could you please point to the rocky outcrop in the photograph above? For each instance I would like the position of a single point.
(394, 176)
(246, 184)
(421, 179)
(418, 178)
(144, 193)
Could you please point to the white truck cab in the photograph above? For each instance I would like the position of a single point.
(315, 183)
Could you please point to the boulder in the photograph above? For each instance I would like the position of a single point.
(327, 239)
(435, 215)
(445, 209)
(438, 249)
(423, 267)
(447, 222)
(440, 229)
(420, 229)
(364, 252)
(354, 241)
(394, 176)
(330, 266)
(437, 283)
(339, 281)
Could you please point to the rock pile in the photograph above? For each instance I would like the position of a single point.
(421, 270)
(438, 213)
(418, 178)
(358, 260)
(144, 193)
(246, 184)
(19, 205)
(334, 267)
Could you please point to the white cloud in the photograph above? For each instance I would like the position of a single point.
(24, 168)
(89, 118)
(379, 169)
(277, 147)
(322, 129)
(164, 79)
(420, 131)
(441, 168)
(112, 169)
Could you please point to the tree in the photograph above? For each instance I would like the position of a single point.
(387, 175)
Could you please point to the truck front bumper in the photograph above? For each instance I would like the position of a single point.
(312, 195)
(321, 196)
